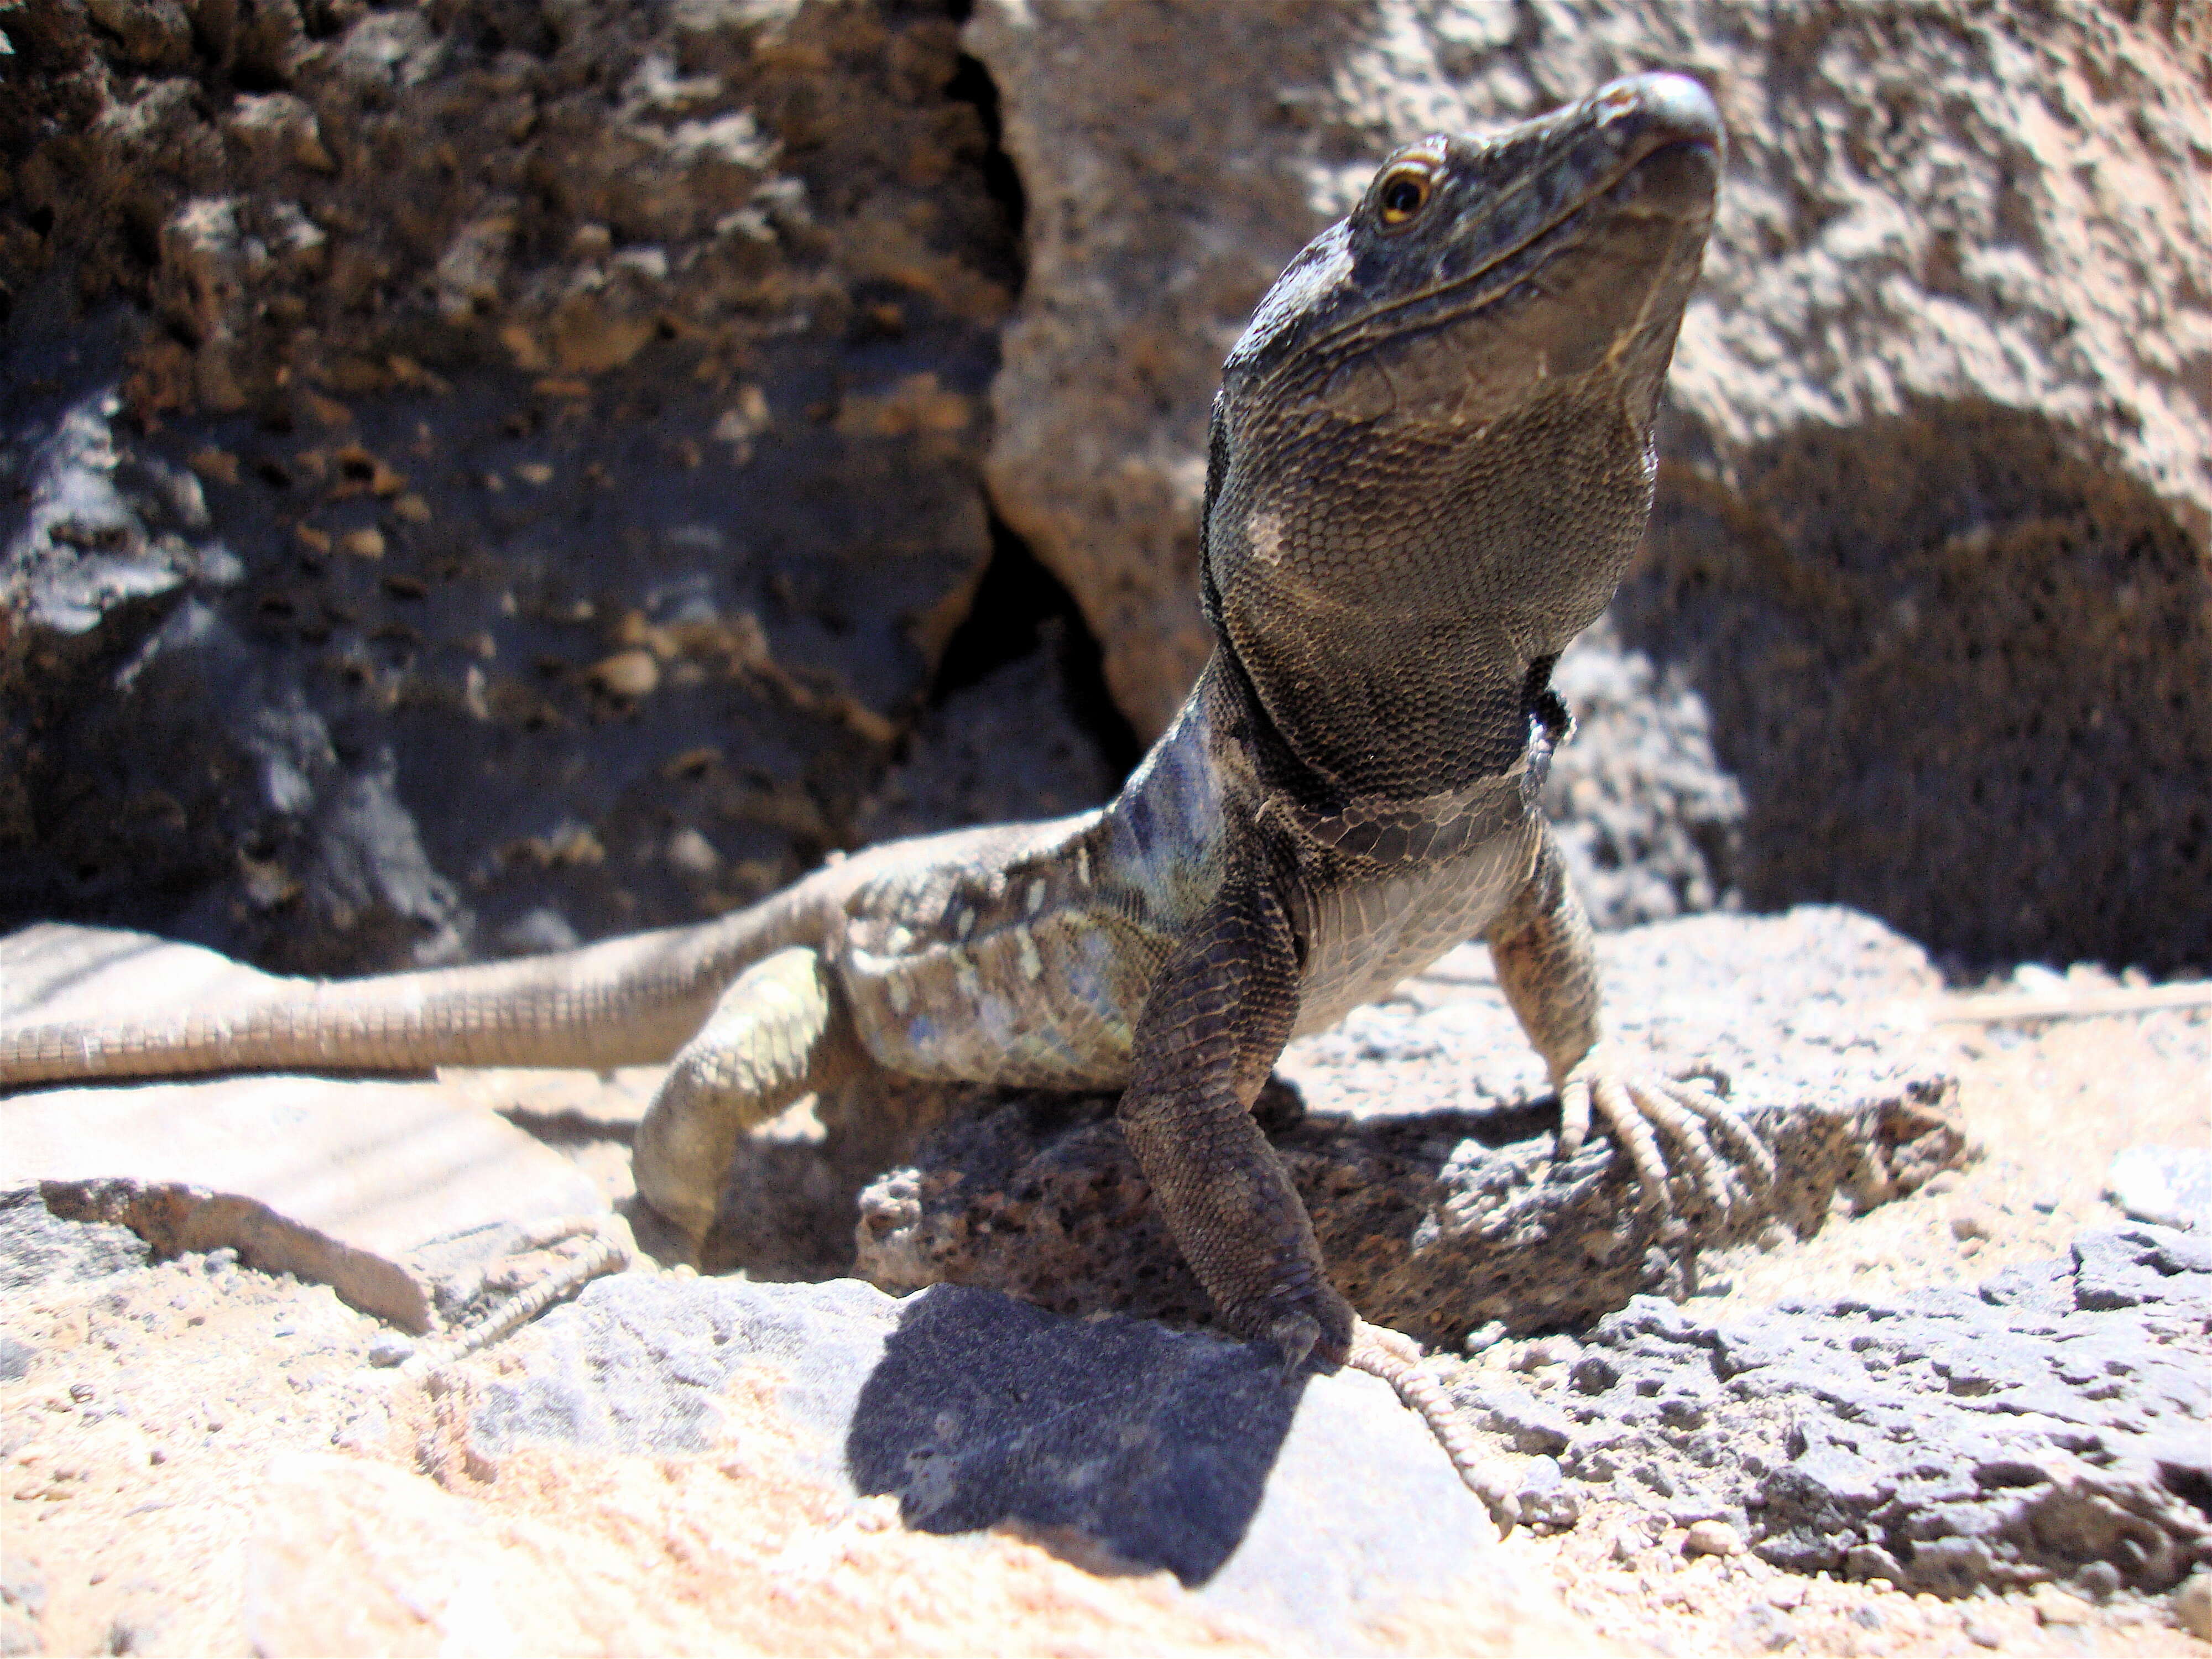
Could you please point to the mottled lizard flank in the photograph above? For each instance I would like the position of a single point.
(1431, 461)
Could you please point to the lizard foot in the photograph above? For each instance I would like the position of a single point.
(1396, 1359)
(1689, 1115)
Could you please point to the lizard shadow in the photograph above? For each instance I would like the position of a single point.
(1115, 1442)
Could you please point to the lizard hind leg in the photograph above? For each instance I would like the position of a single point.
(781, 1030)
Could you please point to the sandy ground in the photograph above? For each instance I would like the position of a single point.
(141, 1511)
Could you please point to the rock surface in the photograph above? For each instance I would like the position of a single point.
(1312, 1512)
(1425, 1157)
(618, 1478)
(2051, 1427)
(303, 1504)
(477, 477)
(396, 1194)
(38, 1248)
(1931, 545)
(2168, 1186)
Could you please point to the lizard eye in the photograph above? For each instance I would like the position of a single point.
(1404, 194)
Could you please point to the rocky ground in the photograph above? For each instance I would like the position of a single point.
(478, 475)
(203, 1457)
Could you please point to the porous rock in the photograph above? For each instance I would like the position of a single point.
(40, 1247)
(1928, 573)
(1314, 1508)
(478, 478)
(1426, 1154)
(2050, 1426)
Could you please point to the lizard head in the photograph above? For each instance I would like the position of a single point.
(1431, 453)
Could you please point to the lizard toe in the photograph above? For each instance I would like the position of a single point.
(1396, 1358)
(1295, 1337)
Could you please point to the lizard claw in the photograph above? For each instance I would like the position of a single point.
(1396, 1359)
(1689, 1117)
(1294, 1336)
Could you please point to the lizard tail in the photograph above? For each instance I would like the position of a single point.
(633, 1000)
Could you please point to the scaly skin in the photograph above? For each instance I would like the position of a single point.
(1431, 461)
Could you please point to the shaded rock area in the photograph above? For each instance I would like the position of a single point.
(1424, 1154)
(205, 1459)
(1651, 822)
(1929, 570)
(1312, 1511)
(479, 476)
(2050, 1427)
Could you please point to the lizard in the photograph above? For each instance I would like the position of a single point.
(1429, 463)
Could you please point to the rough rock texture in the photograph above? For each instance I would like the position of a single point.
(479, 475)
(1015, 743)
(1932, 536)
(1314, 1510)
(1651, 821)
(38, 1247)
(2050, 1427)
(1424, 1155)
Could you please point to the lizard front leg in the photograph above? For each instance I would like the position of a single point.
(781, 1030)
(1215, 1021)
(1212, 1029)
(1546, 962)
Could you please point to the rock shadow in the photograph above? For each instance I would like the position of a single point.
(1956, 659)
(1112, 1439)
(1436, 1224)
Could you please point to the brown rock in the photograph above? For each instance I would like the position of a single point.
(407, 223)
(1712, 1538)
(2055, 1606)
(1931, 541)
(2192, 1605)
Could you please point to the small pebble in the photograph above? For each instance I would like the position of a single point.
(1970, 1223)
(2055, 1606)
(81, 1391)
(1943, 1181)
(1712, 1538)
(1982, 1636)
(2099, 1581)
(2192, 1605)
(389, 1350)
